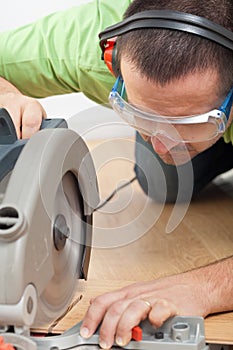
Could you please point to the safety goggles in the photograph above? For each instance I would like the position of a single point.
(194, 128)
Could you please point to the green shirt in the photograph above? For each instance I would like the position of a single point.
(60, 53)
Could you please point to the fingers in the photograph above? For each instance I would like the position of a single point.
(110, 323)
(136, 311)
(157, 311)
(161, 311)
(97, 310)
(31, 119)
(119, 317)
(25, 112)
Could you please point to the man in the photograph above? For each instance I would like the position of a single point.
(174, 75)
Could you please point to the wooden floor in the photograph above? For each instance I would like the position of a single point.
(131, 243)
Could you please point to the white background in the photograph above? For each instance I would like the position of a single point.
(15, 13)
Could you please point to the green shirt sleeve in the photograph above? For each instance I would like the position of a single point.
(228, 135)
(60, 53)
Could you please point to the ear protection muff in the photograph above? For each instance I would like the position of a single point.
(109, 55)
(165, 19)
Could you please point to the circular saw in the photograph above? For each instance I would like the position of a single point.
(45, 221)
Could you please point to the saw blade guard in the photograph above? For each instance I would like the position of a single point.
(46, 227)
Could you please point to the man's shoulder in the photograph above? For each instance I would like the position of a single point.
(94, 77)
(103, 13)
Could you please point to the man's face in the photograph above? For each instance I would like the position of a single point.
(196, 93)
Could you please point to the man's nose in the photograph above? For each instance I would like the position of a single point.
(163, 144)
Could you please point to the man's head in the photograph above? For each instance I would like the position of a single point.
(173, 73)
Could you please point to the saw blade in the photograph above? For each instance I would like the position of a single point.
(67, 257)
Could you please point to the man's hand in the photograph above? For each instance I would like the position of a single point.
(195, 293)
(26, 113)
(158, 300)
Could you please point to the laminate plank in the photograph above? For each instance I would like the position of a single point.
(130, 242)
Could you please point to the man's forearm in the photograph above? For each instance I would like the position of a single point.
(219, 278)
(6, 87)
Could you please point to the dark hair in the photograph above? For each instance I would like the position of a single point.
(162, 55)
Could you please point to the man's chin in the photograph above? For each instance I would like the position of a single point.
(176, 158)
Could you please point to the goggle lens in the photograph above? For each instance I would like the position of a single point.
(197, 128)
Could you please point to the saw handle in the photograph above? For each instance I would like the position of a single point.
(10, 146)
(7, 129)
